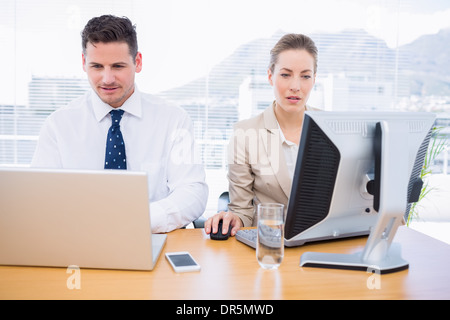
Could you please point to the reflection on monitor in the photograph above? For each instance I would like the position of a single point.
(356, 174)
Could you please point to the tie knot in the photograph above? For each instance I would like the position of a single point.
(116, 116)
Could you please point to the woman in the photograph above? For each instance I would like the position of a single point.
(263, 150)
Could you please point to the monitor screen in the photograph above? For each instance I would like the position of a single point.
(336, 187)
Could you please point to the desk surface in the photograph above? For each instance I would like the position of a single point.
(230, 271)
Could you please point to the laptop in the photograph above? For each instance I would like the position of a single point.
(88, 219)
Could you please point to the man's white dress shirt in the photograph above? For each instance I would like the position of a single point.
(159, 139)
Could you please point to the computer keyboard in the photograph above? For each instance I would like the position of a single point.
(271, 236)
(247, 236)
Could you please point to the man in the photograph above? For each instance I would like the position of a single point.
(116, 126)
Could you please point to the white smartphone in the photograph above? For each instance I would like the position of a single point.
(182, 261)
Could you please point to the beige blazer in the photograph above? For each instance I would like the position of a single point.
(257, 170)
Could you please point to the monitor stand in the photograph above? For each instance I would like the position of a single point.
(393, 177)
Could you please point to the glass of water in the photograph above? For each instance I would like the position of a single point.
(270, 236)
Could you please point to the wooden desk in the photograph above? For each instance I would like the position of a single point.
(230, 271)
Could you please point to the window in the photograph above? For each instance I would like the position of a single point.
(211, 58)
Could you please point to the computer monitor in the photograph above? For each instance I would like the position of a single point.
(356, 174)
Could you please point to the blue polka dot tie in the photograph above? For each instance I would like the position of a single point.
(115, 157)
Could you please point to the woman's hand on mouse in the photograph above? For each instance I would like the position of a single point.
(228, 218)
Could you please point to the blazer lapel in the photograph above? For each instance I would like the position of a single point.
(272, 144)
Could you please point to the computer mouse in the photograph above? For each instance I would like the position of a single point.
(218, 235)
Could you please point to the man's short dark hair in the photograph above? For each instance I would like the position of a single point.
(109, 28)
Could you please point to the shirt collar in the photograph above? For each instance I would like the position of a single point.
(132, 105)
(283, 138)
(270, 119)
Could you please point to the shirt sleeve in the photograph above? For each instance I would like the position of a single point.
(188, 191)
(46, 154)
(241, 180)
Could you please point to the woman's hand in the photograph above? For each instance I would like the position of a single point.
(229, 219)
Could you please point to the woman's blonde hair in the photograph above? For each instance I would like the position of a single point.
(293, 41)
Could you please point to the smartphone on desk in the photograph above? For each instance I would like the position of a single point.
(182, 261)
